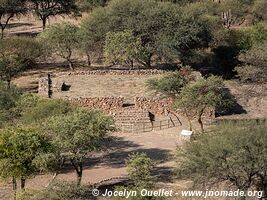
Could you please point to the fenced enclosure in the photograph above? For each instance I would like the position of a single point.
(141, 127)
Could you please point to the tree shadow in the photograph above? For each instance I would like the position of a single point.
(116, 151)
(235, 108)
(27, 33)
(18, 24)
(118, 159)
(164, 174)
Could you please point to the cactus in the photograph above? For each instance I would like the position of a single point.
(227, 19)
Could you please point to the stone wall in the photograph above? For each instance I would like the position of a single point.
(105, 104)
(161, 106)
(153, 105)
(43, 86)
(113, 72)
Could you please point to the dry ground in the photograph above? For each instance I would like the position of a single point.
(251, 98)
(128, 86)
(31, 25)
(160, 146)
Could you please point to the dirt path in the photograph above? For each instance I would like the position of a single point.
(160, 146)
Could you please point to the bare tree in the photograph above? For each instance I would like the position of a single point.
(8, 10)
(45, 9)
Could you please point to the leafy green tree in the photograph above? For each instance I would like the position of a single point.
(19, 148)
(122, 47)
(86, 5)
(165, 30)
(10, 66)
(92, 32)
(77, 133)
(188, 36)
(232, 153)
(62, 39)
(8, 10)
(201, 95)
(8, 103)
(45, 9)
(172, 84)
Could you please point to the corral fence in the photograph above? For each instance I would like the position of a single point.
(141, 127)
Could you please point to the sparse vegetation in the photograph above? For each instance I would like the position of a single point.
(8, 10)
(82, 133)
(223, 45)
(62, 39)
(201, 95)
(232, 152)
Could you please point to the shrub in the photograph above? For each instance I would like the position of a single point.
(254, 67)
(260, 10)
(59, 190)
(252, 36)
(27, 49)
(233, 153)
(140, 168)
(34, 109)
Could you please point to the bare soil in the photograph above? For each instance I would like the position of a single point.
(128, 86)
(160, 146)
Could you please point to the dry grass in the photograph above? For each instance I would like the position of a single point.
(127, 86)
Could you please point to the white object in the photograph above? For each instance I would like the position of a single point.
(185, 134)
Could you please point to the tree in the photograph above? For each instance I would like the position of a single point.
(19, 148)
(172, 84)
(233, 153)
(17, 53)
(62, 39)
(201, 95)
(8, 102)
(45, 9)
(165, 30)
(10, 66)
(9, 9)
(77, 133)
(86, 5)
(93, 31)
(122, 47)
(254, 64)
